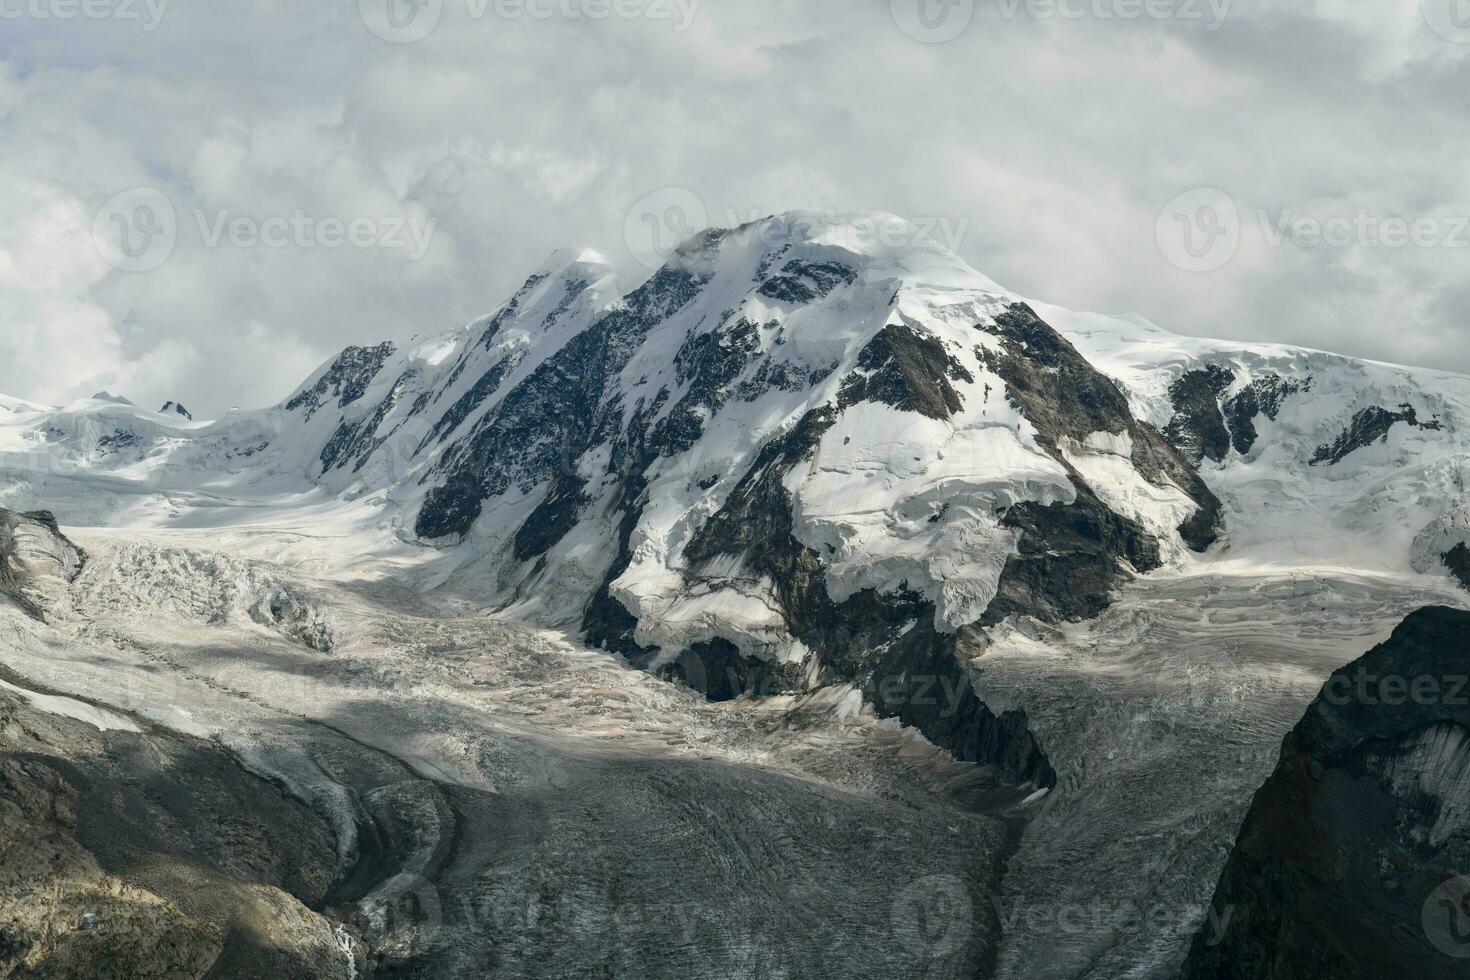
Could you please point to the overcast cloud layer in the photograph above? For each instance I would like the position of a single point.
(393, 187)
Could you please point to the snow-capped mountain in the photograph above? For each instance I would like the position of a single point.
(806, 456)
(796, 426)
(793, 421)
(930, 402)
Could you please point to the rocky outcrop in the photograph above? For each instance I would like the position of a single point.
(1368, 426)
(345, 380)
(802, 282)
(907, 371)
(558, 411)
(1198, 426)
(1351, 859)
(1069, 560)
(174, 408)
(33, 549)
(1207, 423)
(1457, 560)
(1263, 396)
(1067, 399)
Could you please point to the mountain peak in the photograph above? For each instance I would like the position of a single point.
(877, 244)
(573, 263)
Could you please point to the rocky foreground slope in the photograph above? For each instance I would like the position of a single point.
(1353, 858)
(131, 850)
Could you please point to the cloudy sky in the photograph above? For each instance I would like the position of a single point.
(204, 200)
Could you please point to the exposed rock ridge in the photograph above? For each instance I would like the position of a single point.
(1066, 398)
(1207, 423)
(1368, 426)
(345, 379)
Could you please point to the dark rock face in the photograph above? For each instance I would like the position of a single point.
(174, 408)
(354, 442)
(1064, 396)
(346, 380)
(1457, 560)
(716, 669)
(556, 413)
(1069, 560)
(1348, 862)
(908, 371)
(117, 441)
(1263, 396)
(1367, 427)
(802, 282)
(1198, 428)
(487, 385)
(1206, 424)
(552, 518)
